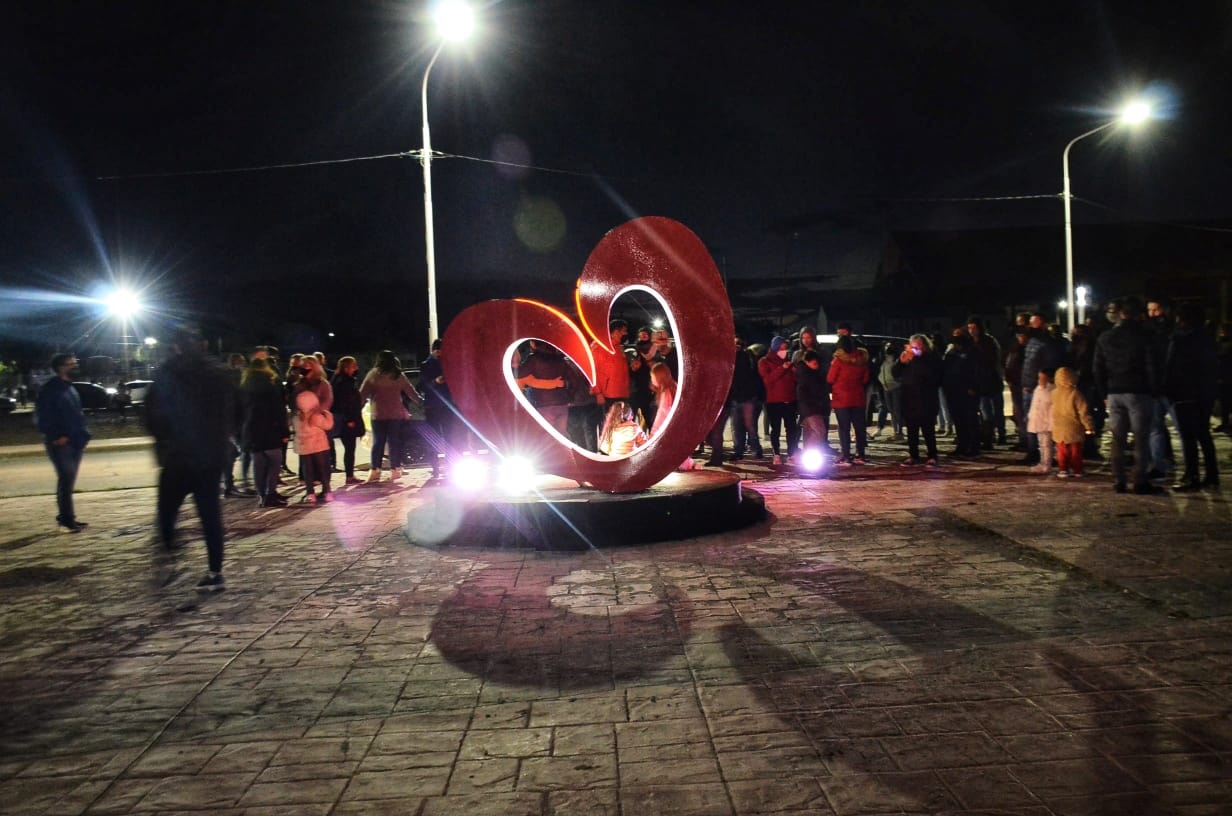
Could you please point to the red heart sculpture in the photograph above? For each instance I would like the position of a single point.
(652, 254)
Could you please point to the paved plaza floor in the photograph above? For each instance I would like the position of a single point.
(975, 640)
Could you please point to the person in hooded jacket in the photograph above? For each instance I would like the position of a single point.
(264, 429)
(190, 412)
(1071, 422)
(848, 378)
(918, 372)
(779, 375)
(960, 380)
(312, 424)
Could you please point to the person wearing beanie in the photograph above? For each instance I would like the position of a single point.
(778, 374)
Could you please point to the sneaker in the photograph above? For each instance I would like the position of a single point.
(859, 460)
(75, 527)
(327, 497)
(309, 499)
(1041, 468)
(843, 461)
(776, 459)
(212, 582)
(395, 474)
(1062, 474)
(910, 461)
(931, 463)
(1076, 475)
(354, 480)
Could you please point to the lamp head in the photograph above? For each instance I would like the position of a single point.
(1136, 113)
(455, 20)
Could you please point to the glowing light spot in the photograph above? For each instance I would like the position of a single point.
(122, 303)
(470, 473)
(455, 20)
(539, 224)
(813, 459)
(516, 475)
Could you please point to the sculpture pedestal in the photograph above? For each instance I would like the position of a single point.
(559, 515)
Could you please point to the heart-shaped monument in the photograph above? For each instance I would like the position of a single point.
(652, 254)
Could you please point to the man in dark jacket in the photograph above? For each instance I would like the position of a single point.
(1190, 383)
(60, 419)
(1125, 373)
(744, 393)
(190, 413)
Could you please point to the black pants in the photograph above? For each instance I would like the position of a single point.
(1194, 424)
(174, 485)
(348, 454)
(930, 439)
(782, 416)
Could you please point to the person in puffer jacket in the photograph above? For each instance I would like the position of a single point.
(1071, 423)
(312, 444)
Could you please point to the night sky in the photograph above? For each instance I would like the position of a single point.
(746, 122)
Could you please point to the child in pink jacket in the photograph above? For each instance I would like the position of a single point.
(312, 444)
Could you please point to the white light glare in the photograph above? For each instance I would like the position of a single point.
(1062, 304)
(1081, 296)
(455, 20)
(516, 475)
(658, 323)
(812, 459)
(122, 303)
(151, 342)
(470, 474)
(1136, 113)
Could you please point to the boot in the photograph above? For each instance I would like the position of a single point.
(374, 475)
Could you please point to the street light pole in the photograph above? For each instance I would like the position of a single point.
(1069, 230)
(454, 22)
(1132, 114)
(429, 237)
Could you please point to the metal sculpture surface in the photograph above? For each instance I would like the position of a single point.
(655, 255)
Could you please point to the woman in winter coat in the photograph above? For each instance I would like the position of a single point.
(918, 371)
(384, 388)
(848, 378)
(264, 430)
(778, 373)
(348, 413)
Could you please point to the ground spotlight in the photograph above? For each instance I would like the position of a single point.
(470, 473)
(516, 475)
(813, 460)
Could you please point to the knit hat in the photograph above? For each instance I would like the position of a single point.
(776, 344)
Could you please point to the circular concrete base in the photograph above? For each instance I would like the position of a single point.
(559, 515)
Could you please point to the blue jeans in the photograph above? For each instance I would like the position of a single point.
(1128, 412)
(66, 460)
(387, 430)
(1161, 443)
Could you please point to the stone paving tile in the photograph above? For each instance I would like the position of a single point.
(869, 649)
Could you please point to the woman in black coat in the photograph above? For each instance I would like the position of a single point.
(918, 371)
(265, 430)
(348, 413)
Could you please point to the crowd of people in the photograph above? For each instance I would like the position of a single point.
(1148, 366)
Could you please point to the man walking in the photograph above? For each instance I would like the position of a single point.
(60, 419)
(190, 414)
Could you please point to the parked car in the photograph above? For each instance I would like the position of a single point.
(94, 397)
(136, 390)
(7, 405)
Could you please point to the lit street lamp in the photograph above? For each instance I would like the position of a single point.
(123, 304)
(454, 22)
(1133, 114)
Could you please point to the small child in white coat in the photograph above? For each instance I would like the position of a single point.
(1039, 421)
